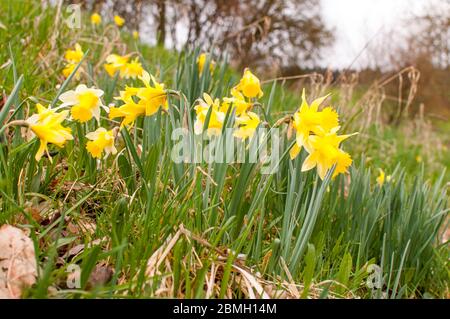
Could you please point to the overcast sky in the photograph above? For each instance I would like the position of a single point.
(358, 21)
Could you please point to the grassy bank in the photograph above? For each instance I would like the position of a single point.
(139, 224)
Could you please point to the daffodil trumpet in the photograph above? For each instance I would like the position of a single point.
(101, 141)
(85, 103)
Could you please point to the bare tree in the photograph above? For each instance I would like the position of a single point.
(256, 32)
(288, 32)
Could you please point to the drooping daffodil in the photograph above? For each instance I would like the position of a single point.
(324, 152)
(250, 85)
(101, 141)
(46, 125)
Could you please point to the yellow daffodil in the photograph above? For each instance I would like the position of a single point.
(101, 141)
(343, 162)
(247, 124)
(96, 19)
(130, 110)
(114, 63)
(152, 96)
(238, 101)
(85, 102)
(419, 159)
(119, 21)
(382, 178)
(68, 69)
(74, 56)
(249, 85)
(110, 69)
(308, 119)
(150, 99)
(324, 152)
(46, 125)
(132, 69)
(135, 35)
(201, 60)
(216, 118)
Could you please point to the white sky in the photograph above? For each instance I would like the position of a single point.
(358, 21)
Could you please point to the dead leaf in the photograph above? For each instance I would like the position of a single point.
(17, 262)
(74, 251)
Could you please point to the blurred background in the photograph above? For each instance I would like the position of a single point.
(357, 41)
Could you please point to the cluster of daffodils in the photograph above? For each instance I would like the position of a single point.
(124, 65)
(242, 100)
(316, 131)
(85, 104)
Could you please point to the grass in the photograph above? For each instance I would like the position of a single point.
(162, 229)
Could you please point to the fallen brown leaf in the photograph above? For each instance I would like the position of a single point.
(17, 262)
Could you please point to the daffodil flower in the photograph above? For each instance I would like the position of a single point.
(324, 152)
(249, 85)
(238, 101)
(85, 102)
(247, 124)
(119, 21)
(382, 178)
(96, 19)
(201, 60)
(343, 162)
(114, 63)
(135, 35)
(101, 141)
(68, 69)
(216, 118)
(46, 125)
(130, 110)
(308, 119)
(152, 96)
(132, 69)
(73, 57)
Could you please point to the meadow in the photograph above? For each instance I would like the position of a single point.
(351, 208)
